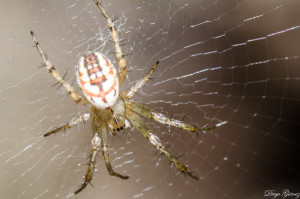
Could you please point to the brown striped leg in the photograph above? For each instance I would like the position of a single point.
(147, 112)
(89, 173)
(71, 91)
(73, 122)
(115, 37)
(104, 147)
(140, 83)
(145, 130)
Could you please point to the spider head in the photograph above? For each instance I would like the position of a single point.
(98, 80)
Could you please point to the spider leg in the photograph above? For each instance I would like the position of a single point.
(145, 130)
(140, 83)
(71, 91)
(104, 147)
(149, 113)
(89, 173)
(115, 37)
(73, 122)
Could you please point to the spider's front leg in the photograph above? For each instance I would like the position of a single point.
(73, 122)
(145, 130)
(104, 147)
(96, 142)
(149, 113)
(71, 91)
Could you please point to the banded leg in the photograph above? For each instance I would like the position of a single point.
(119, 53)
(149, 113)
(73, 122)
(145, 130)
(96, 141)
(140, 83)
(104, 147)
(71, 91)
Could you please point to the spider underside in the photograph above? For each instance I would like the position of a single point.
(112, 111)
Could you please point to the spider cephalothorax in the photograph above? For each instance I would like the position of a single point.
(111, 109)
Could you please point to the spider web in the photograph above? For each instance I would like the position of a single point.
(221, 61)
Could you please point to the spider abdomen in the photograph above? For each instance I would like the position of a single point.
(98, 80)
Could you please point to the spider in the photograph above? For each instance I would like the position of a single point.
(111, 110)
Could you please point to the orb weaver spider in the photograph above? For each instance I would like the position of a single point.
(112, 110)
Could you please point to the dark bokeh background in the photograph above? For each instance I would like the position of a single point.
(234, 61)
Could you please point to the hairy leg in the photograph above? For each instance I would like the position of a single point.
(104, 147)
(144, 129)
(73, 122)
(149, 113)
(71, 91)
(95, 145)
(140, 83)
(115, 37)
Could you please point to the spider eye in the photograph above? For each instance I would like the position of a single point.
(98, 79)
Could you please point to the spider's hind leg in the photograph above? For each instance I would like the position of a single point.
(71, 91)
(140, 83)
(115, 37)
(145, 130)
